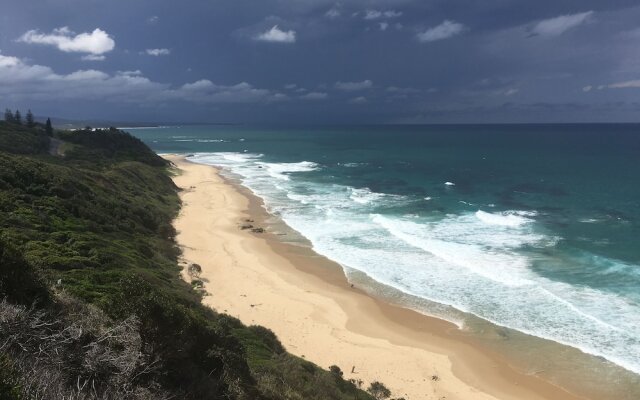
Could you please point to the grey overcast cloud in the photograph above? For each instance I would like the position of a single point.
(303, 61)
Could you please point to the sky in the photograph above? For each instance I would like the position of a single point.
(321, 61)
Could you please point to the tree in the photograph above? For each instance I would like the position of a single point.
(378, 390)
(30, 121)
(18, 118)
(48, 128)
(8, 115)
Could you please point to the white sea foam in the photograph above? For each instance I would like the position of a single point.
(523, 213)
(353, 165)
(238, 157)
(364, 195)
(482, 252)
(477, 262)
(506, 218)
(282, 170)
(144, 127)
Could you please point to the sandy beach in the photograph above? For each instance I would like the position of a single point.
(308, 302)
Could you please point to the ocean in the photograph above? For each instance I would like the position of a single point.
(532, 230)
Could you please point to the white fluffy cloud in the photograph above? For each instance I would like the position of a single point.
(632, 84)
(376, 14)
(158, 52)
(625, 84)
(353, 86)
(205, 91)
(558, 25)
(334, 12)
(20, 80)
(95, 43)
(314, 96)
(445, 30)
(8, 61)
(358, 100)
(403, 90)
(275, 34)
(93, 57)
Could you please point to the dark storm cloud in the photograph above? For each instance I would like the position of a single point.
(323, 61)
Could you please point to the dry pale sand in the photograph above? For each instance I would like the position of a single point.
(306, 300)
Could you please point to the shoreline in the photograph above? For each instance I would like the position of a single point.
(308, 302)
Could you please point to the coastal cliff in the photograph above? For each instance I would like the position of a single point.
(91, 300)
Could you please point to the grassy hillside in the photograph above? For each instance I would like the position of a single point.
(91, 302)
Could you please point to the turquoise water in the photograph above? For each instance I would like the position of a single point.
(535, 228)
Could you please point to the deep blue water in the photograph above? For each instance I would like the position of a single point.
(532, 227)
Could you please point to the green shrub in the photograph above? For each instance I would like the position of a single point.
(19, 139)
(9, 380)
(109, 145)
(18, 281)
(379, 391)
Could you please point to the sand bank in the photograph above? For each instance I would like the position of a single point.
(307, 301)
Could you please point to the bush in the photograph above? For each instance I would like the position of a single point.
(19, 139)
(268, 338)
(194, 270)
(75, 353)
(18, 280)
(192, 346)
(9, 379)
(379, 391)
(109, 145)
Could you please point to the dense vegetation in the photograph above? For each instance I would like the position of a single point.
(91, 302)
